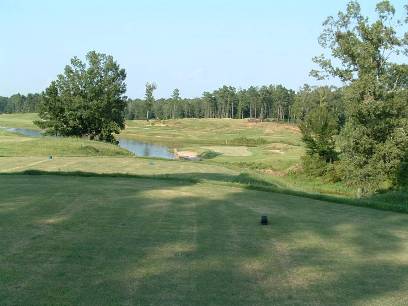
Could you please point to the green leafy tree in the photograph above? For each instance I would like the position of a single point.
(175, 101)
(87, 100)
(149, 98)
(210, 104)
(318, 131)
(374, 140)
(3, 104)
(254, 101)
(319, 127)
(243, 103)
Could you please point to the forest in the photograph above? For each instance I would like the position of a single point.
(268, 102)
(20, 103)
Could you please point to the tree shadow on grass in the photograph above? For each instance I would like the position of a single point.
(95, 240)
(396, 201)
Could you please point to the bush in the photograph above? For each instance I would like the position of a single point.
(402, 177)
(209, 154)
(316, 166)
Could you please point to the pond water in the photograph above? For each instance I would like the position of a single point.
(136, 147)
(25, 132)
(146, 149)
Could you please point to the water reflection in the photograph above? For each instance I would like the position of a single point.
(146, 149)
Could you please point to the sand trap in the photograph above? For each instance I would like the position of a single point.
(186, 154)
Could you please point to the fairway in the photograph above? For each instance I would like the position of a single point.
(100, 240)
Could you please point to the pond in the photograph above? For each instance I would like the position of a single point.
(146, 149)
(136, 147)
(25, 132)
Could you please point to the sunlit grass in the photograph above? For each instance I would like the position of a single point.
(21, 120)
(111, 240)
(12, 145)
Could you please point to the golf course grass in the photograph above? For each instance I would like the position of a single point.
(95, 225)
(12, 144)
(102, 240)
(265, 146)
(231, 144)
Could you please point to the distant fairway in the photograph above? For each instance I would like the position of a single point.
(231, 139)
(95, 240)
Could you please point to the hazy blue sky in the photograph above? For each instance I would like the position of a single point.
(192, 45)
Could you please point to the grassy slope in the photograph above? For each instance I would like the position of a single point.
(126, 165)
(210, 131)
(12, 144)
(93, 240)
(188, 172)
(281, 152)
(19, 120)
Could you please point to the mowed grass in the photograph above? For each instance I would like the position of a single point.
(116, 165)
(12, 144)
(171, 168)
(21, 120)
(109, 241)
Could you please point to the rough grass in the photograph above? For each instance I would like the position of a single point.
(212, 131)
(103, 241)
(230, 150)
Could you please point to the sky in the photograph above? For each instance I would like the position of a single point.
(195, 46)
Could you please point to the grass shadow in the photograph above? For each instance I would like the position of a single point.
(94, 239)
(396, 201)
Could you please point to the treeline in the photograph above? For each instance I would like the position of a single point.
(272, 102)
(266, 102)
(20, 103)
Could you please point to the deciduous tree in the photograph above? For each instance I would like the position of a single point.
(375, 138)
(88, 99)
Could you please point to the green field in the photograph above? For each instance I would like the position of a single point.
(228, 138)
(270, 161)
(95, 225)
(21, 120)
(95, 240)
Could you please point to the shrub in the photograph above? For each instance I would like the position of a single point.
(316, 166)
(209, 154)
